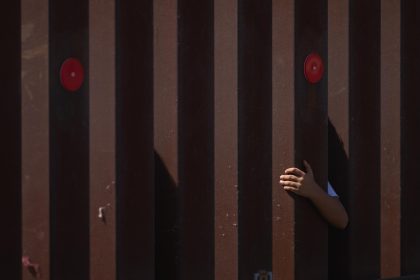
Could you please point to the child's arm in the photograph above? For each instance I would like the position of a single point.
(301, 183)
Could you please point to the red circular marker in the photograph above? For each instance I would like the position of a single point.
(71, 74)
(313, 68)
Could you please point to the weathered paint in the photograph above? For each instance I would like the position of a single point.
(283, 143)
(102, 139)
(226, 139)
(390, 141)
(35, 137)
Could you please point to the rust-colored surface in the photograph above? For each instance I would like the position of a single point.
(226, 140)
(338, 64)
(166, 139)
(338, 130)
(165, 84)
(102, 139)
(283, 138)
(390, 138)
(35, 137)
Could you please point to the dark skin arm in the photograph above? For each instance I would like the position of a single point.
(303, 184)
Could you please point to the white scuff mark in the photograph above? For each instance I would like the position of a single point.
(101, 212)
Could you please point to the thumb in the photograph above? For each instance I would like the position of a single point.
(308, 167)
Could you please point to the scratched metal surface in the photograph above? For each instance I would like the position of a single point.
(35, 138)
(102, 140)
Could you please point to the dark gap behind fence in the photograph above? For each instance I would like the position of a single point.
(410, 137)
(10, 141)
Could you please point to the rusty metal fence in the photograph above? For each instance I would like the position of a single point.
(155, 151)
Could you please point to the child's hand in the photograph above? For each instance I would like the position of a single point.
(299, 182)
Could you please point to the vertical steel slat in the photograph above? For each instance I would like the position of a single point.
(364, 140)
(134, 140)
(102, 139)
(35, 138)
(69, 143)
(283, 143)
(390, 138)
(254, 137)
(10, 142)
(338, 129)
(166, 139)
(311, 250)
(410, 137)
(196, 137)
(165, 83)
(338, 63)
(226, 140)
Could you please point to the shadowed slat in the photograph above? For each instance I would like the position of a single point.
(10, 142)
(410, 137)
(311, 250)
(254, 137)
(69, 143)
(134, 140)
(196, 138)
(364, 140)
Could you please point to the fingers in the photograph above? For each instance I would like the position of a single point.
(290, 178)
(307, 166)
(291, 189)
(290, 184)
(295, 171)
